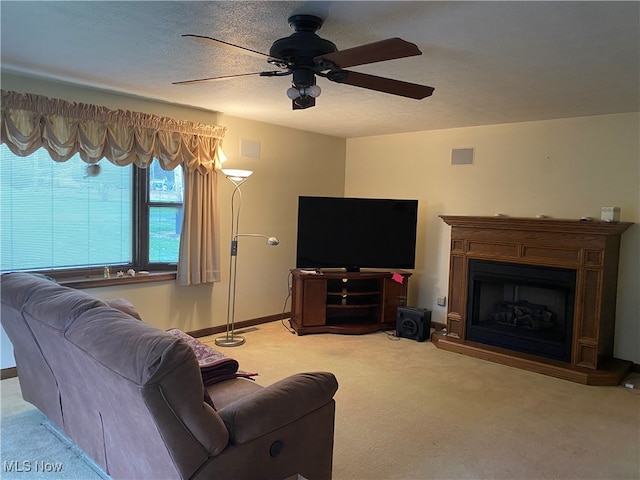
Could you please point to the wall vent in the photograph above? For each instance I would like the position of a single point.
(462, 156)
(249, 149)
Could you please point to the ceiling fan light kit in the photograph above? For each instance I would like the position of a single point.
(305, 55)
(312, 91)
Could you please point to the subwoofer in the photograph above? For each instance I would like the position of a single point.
(413, 323)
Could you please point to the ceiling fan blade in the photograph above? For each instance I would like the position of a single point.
(381, 84)
(227, 45)
(227, 77)
(369, 53)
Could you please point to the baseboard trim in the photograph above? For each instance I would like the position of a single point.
(10, 372)
(239, 325)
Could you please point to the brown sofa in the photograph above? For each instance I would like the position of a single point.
(131, 395)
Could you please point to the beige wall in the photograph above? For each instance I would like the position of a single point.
(292, 163)
(562, 168)
(73, 93)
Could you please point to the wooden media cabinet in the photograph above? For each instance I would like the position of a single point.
(346, 302)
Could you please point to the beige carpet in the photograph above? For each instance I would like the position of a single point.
(406, 410)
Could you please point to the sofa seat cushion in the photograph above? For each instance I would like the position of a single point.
(225, 393)
(215, 367)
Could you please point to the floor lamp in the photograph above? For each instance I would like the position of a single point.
(237, 177)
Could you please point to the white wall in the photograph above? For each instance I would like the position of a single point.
(292, 163)
(562, 168)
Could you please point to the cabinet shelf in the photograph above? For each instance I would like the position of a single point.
(346, 302)
(353, 294)
(364, 305)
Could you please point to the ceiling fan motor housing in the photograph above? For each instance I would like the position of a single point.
(300, 48)
(305, 23)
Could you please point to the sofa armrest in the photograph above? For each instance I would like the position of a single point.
(277, 405)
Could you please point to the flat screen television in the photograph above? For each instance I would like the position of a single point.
(355, 233)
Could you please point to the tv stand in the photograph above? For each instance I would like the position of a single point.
(346, 302)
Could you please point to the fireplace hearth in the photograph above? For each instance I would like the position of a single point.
(537, 294)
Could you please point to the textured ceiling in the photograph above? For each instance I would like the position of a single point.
(490, 62)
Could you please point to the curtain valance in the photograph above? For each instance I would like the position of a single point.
(30, 121)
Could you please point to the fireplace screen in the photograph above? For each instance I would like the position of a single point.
(521, 307)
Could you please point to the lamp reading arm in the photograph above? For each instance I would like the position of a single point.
(234, 243)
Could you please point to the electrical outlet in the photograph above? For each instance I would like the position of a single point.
(441, 301)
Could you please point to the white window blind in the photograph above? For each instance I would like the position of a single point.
(56, 215)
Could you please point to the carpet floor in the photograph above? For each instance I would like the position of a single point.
(32, 447)
(406, 410)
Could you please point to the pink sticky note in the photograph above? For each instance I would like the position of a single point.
(398, 278)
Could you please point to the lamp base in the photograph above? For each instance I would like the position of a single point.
(230, 340)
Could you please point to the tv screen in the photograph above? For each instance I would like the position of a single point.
(355, 233)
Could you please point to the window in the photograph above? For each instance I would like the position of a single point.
(70, 217)
(164, 213)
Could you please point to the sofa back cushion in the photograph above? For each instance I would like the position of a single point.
(127, 390)
(24, 291)
(156, 380)
(125, 306)
(51, 303)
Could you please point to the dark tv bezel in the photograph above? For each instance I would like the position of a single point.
(340, 262)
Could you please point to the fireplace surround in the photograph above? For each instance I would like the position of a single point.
(525, 308)
(537, 294)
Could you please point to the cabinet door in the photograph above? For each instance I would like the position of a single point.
(395, 295)
(314, 305)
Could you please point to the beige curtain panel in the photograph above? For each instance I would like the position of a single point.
(29, 122)
(199, 262)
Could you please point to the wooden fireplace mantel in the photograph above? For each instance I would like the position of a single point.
(589, 247)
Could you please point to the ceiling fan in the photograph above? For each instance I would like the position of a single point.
(304, 55)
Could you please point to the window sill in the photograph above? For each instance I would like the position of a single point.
(95, 282)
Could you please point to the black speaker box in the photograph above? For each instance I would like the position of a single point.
(413, 323)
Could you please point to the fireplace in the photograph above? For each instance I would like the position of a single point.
(537, 294)
(521, 307)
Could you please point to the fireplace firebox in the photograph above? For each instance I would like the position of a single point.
(521, 307)
(537, 294)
